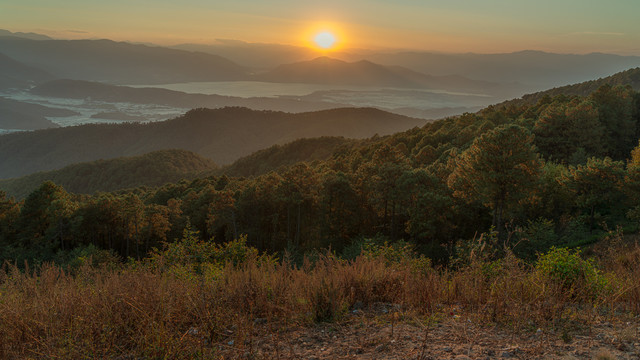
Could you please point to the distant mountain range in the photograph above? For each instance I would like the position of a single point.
(223, 135)
(119, 62)
(540, 70)
(228, 60)
(629, 77)
(29, 35)
(325, 70)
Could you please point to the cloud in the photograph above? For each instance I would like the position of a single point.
(78, 31)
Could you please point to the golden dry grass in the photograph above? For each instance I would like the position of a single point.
(141, 311)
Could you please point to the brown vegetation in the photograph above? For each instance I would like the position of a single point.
(165, 308)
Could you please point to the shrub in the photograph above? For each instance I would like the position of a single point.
(191, 251)
(575, 274)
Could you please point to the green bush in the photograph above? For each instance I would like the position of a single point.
(576, 275)
(190, 250)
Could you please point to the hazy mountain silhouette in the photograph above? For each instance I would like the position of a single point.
(79, 89)
(325, 70)
(152, 169)
(223, 135)
(120, 62)
(25, 116)
(254, 55)
(629, 77)
(14, 74)
(536, 68)
(29, 35)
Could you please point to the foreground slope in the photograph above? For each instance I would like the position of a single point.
(222, 135)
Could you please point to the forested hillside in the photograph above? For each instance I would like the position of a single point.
(279, 156)
(629, 77)
(558, 172)
(223, 135)
(153, 169)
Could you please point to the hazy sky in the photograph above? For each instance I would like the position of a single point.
(567, 26)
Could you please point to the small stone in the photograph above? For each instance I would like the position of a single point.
(507, 355)
(447, 349)
(260, 321)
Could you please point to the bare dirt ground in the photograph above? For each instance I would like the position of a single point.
(374, 335)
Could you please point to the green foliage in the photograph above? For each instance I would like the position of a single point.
(536, 237)
(597, 186)
(190, 250)
(566, 268)
(498, 169)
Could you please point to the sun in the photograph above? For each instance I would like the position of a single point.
(325, 40)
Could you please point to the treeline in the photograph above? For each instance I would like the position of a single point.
(557, 172)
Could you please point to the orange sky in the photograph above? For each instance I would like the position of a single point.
(566, 26)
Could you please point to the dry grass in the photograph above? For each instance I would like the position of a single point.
(144, 312)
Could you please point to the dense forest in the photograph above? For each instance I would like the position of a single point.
(558, 172)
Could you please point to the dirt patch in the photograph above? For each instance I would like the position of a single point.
(372, 335)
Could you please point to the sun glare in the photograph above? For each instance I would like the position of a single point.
(325, 40)
(324, 37)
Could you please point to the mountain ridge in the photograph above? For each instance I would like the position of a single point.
(223, 135)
